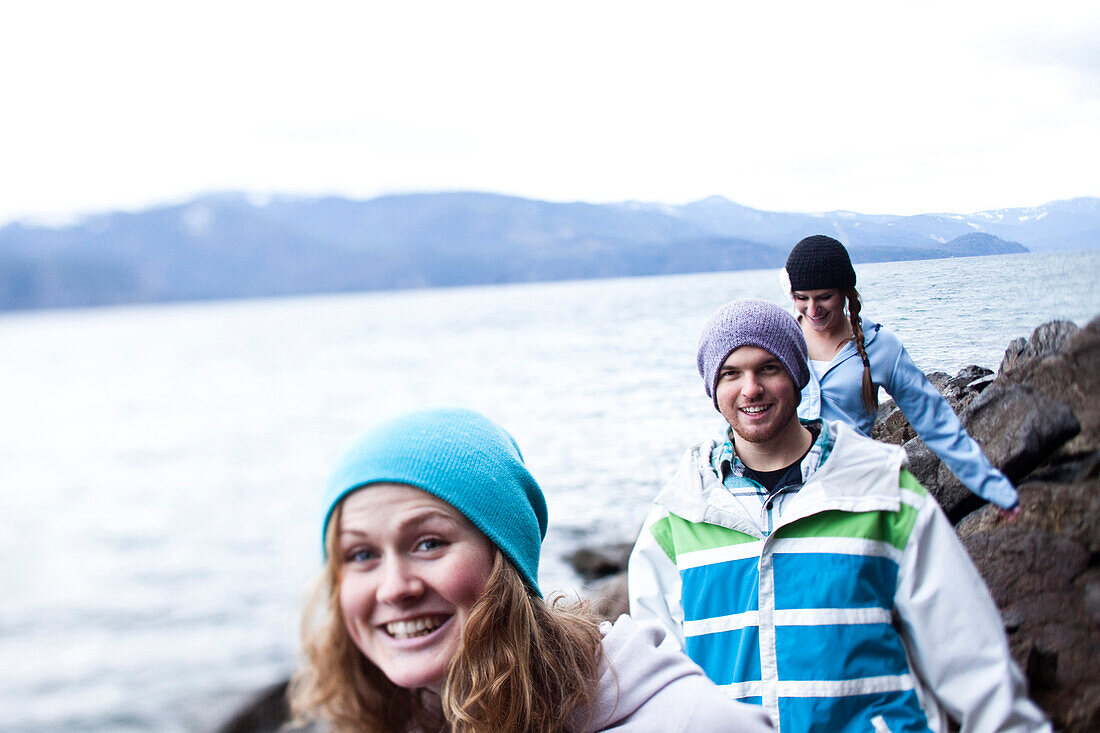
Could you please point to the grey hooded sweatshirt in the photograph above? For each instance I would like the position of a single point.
(644, 687)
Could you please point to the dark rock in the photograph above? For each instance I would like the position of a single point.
(1049, 338)
(1068, 469)
(1012, 354)
(267, 712)
(1041, 668)
(593, 563)
(1071, 376)
(893, 428)
(924, 465)
(939, 380)
(961, 389)
(1067, 511)
(1041, 570)
(1018, 429)
(1012, 619)
(1016, 562)
(1090, 582)
(962, 502)
(609, 597)
(1083, 715)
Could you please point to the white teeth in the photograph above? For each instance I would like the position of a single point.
(754, 409)
(416, 627)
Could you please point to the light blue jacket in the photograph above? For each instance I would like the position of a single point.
(837, 396)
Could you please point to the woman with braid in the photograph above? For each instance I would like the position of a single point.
(851, 357)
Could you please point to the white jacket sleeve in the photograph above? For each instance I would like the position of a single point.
(653, 583)
(955, 634)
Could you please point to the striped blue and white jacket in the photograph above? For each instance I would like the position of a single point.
(861, 611)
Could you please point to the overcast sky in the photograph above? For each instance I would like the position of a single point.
(877, 107)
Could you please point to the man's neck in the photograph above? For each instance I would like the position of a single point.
(779, 452)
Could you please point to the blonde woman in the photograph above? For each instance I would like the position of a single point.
(851, 357)
(428, 615)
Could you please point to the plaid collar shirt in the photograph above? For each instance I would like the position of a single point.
(749, 493)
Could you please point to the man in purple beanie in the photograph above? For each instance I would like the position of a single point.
(804, 569)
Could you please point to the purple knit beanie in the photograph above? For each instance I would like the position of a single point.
(751, 322)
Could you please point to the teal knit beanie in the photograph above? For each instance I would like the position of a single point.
(458, 456)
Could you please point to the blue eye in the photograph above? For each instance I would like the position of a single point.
(360, 555)
(431, 543)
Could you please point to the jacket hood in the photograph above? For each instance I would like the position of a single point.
(647, 685)
(870, 333)
(851, 479)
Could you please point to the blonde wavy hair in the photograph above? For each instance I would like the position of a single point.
(524, 664)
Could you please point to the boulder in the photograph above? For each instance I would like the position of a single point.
(599, 561)
(1049, 338)
(1041, 571)
(961, 389)
(1040, 412)
(609, 597)
(891, 425)
(939, 380)
(1071, 376)
(267, 712)
(925, 466)
(1018, 428)
(603, 567)
(1068, 510)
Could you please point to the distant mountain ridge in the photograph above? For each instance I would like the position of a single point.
(231, 245)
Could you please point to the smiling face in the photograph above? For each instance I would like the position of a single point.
(412, 567)
(757, 396)
(821, 310)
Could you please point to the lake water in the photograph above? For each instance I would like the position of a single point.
(160, 465)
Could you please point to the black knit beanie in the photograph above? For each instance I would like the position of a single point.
(820, 262)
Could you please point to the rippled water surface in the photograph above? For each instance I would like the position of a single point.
(159, 465)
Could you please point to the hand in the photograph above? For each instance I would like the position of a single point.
(1010, 515)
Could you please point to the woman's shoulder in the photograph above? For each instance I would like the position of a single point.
(870, 327)
(626, 635)
(647, 685)
(876, 333)
(634, 670)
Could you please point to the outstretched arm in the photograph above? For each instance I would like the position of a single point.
(941, 430)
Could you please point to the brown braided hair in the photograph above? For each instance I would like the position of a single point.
(870, 389)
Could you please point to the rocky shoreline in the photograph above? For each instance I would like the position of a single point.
(1038, 420)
